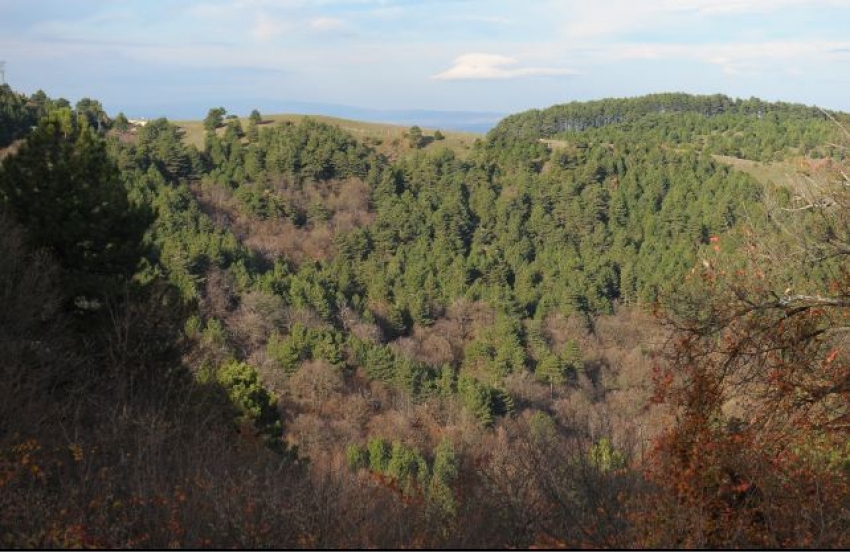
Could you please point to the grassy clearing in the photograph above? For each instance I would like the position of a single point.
(555, 144)
(803, 176)
(782, 173)
(387, 139)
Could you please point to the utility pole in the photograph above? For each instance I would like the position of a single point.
(2, 73)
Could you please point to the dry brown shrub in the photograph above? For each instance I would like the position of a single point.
(470, 317)
(611, 395)
(30, 312)
(272, 238)
(426, 345)
(444, 341)
(343, 222)
(347, 202)
(258, 315)
(359, 328)
(395, 425)
(312, 434)
(306, 316)
(630, 342)
(317, 243)
(525, 388)
(217, 202)
(219, 293)
(354, 414)
(276, 238)
(315, 383)
(558, 329)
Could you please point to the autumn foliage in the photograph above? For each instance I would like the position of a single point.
(758, 380)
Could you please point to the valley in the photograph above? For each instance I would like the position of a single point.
(606, 324)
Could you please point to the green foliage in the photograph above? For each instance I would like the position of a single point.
(313, 151)
(379, 455)
(572, 210)
(303, 344)
(445, 462)
(357, 457)
(499, 350)
(572, 355)
(605, 457)
(255, 404)
(93, 112)
(552, 370)
(193, 327)
(380, 363)
(445, 471)
(416, 379)
(398, 461)
(159, 145)
(262, 203)
(289, 352)
(415, 137)
(16, 115)
(63, 188)
(121, 123)
(542, 429)
(477, 398)
(679, 118)
(187, 241)
(408, 468)
(214, 119)
(213, 334)
(613, 211)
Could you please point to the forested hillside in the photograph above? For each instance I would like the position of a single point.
(593, 329)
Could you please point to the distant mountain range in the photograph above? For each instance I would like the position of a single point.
(468, 121)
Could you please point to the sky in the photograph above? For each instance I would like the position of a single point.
(178, 58)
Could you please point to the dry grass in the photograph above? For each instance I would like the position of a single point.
(387, 139)
(804, 176)
(777, 172)
(555, 144)
(10, 149)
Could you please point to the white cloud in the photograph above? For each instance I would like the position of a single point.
(583, 20)
(267, 27)
(587, 21)
(730, 7)
(488, 19)
(740, 57)
(492, 66)
(329, 25)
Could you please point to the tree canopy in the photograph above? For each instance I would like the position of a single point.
(64, 190)
(607, 324)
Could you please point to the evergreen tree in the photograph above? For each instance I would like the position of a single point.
(66, 192)
(121, 123)
(415, 137)
(16, 115)
(214, 119)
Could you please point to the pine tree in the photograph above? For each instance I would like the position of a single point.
(66, 192)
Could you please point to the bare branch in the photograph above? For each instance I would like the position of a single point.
(813, 301)
(839, 125)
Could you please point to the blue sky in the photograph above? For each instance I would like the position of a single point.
(180, 57)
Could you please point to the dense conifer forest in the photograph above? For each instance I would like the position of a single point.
(618, 323)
